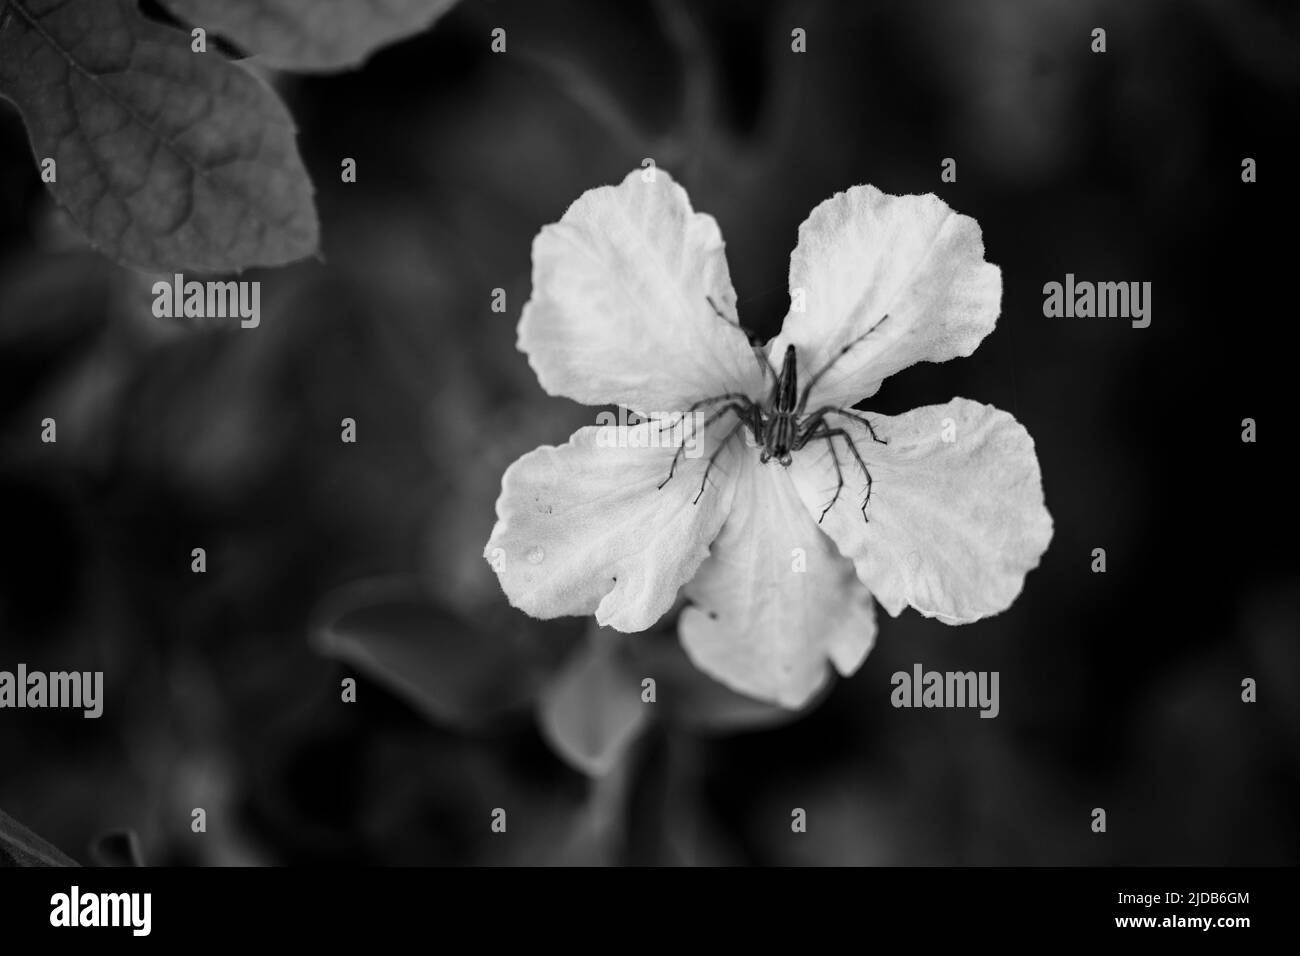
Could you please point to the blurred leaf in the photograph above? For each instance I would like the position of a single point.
(52, 307)
(19, 846)
(593, 710)
(1269, 618)
(453, 672)
(167, 159)
(308, 35)
(48, 302)
(689, 698)
(117, 848)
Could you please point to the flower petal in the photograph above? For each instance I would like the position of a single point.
(584, 528)
(620, 309)
(956, 514)
(759, 624)
(691, 699)
(863, 255)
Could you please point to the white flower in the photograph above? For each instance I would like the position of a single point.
(629, 292)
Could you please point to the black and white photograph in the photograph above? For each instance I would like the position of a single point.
(513, 434)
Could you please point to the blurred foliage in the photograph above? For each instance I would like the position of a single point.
(311, 35)
(1118, 690)
(19, 846)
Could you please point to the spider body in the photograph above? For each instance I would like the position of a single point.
(779, 425)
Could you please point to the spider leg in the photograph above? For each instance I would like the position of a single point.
(834, 410)
(729, 320)
(768, 367)
(830, 434)
(720, 314)
(726, 396)
(808, 427)
(740, 411)
(807, 389)
(839, 479)
(759, 352)
(712, 458)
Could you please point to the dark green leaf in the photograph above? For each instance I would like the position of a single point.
(168, 160)
(19, 846)
(309, 35)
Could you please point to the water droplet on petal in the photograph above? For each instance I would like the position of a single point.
(535, 556)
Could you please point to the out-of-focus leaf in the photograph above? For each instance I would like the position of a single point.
(168, 160)
(48, 302)
(118, 848)
(312, 35)
(51, 309)
(1269, 625)
(593, 710)
(687, 697)
(449, 669)
(19, 846)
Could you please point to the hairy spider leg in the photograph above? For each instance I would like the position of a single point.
(740, 411)
(712, 458)
(839, 481)
(754, 344)
(720, 314)
(836, 410)
(768, 367)
(727, 396)
(807, 389)
(830, 434)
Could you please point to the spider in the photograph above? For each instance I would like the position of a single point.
(778, 424)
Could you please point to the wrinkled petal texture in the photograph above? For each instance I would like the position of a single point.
(620, 311)
(863, 255)
(760, 624)
(583, 528)
(956, 515)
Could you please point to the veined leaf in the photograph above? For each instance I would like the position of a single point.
(168, 160)
(312, 35)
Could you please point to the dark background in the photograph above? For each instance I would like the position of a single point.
(1118, 690)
